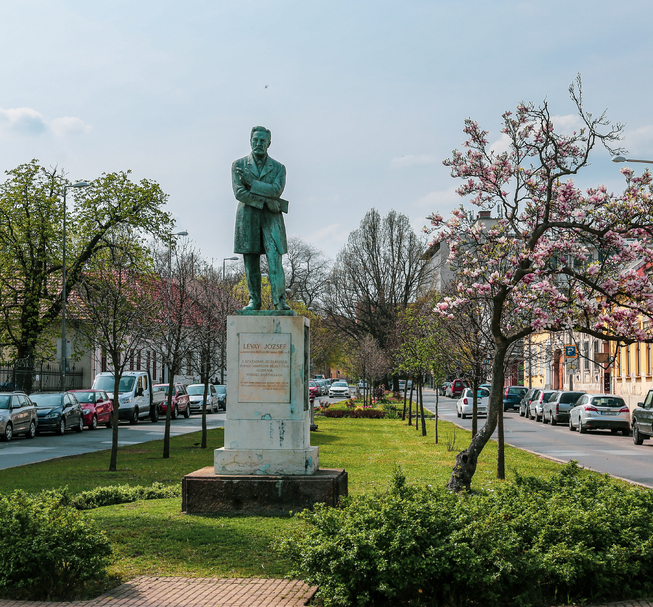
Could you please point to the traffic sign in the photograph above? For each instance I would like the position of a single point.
(571, 351)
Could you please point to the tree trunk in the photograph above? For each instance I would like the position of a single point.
(410, 403)
(113, 464)
(403, 415)
(437, 402)
(421, 406)
(501, 464)
(206, 393)
(166, 436)
(465, 467)
(474, 405)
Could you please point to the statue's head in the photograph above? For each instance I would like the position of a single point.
(260, 140)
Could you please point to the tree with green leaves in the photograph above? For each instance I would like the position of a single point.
(31, 244)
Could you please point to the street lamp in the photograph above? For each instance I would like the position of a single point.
(624, 159)
(64, 348)
(183, 233)
(224, 269)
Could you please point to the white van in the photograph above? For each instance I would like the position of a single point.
(136, 399)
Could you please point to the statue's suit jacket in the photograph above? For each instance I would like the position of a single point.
(253, 218)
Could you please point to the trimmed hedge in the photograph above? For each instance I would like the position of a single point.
(47, 549)
(358, 413)
(529, 542)
(122, 494)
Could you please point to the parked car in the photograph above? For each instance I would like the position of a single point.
(313, 389)
(465, 404)
(221, 391)
(642, 419)
(339, 388)
(456, 388)
(57, 412)
(403, 386)
(18, 415)
(556, 408)
(136, 399)
(324, 388)
(600, 412)
(97, 407)
(537, 404)
(443, 388)
(362, 385)
(525, 402)
(512, 396)
(180, 400)
(196, 398)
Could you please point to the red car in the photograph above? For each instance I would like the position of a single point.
(313, 389)
(180, 400)
(97, 407)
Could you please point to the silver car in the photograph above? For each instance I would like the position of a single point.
(18, 415)
(465, 404)
(196, 394)
(601, 412)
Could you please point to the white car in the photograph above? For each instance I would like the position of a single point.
(602, 412)
(465, 404)
(339, 388)
(196, 394)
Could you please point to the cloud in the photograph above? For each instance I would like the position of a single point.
(639, 141)
(69, 125)
(23, 120)
(402, 162)
(334, 231)
(29, 122)
(442, 200)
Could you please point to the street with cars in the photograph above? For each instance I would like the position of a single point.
(597, 449)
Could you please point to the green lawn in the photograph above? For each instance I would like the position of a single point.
(154, 538)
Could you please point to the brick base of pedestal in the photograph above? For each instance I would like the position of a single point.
(204, 492)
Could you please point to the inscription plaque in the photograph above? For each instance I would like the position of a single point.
(264, 367)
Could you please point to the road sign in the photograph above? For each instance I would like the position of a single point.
(571, 351)
(573, 365)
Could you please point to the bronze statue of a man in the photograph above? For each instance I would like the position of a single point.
(258, 182)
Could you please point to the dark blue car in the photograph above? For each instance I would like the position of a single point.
(512, 397)
(58, 411)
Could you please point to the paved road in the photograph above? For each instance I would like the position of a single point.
(46, 446)
(599, 450)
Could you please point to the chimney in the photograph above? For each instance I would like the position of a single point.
(484, 215)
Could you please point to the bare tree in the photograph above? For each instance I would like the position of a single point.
(379, 272)
(212, 303)
(307, 271)
(173, 339)
(114, 307)
(370, 363)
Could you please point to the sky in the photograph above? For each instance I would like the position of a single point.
(365, 99)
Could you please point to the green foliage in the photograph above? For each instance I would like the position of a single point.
(122, 494)
(47, 550)
(571, 537)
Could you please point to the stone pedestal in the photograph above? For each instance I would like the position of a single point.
(204, 492)
(267, 464)
(267, 430)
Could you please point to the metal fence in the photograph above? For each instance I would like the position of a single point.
(36, 378)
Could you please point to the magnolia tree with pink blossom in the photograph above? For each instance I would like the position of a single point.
(557, 258)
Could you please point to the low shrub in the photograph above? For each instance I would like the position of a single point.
(532, 541)
(47, 549)
(335, 413)
(360, 412)
(122, 494)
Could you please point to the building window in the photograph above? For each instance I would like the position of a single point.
(586, 355)
(103, 361)
(138, 360)
(628, 360)
(648, 359)
(154, 366)
(638, 354)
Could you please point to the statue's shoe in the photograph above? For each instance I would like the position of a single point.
(282, 305)
(252, 305)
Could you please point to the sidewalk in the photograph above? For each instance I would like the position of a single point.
(194, 592)
(216, 592)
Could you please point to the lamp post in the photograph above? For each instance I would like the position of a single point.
(64, 348)
(183, 233)
(624, 159)
(175, 234)
(224, 337)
